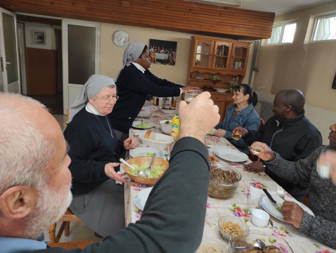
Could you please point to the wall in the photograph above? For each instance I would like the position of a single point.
(49, 36)
(111, 55)
(309, 67)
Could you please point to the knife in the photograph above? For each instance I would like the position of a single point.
(272, 200)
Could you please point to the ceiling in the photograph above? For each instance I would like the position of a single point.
(278, 6)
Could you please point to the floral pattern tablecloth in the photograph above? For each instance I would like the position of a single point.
(283, 235)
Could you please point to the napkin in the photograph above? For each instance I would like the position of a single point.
(121, 171)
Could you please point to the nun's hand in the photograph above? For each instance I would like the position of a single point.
(111, 173)
(129, 143)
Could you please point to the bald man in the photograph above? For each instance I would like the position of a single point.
(35, 183)
(289, 133)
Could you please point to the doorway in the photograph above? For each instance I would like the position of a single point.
(40, 46)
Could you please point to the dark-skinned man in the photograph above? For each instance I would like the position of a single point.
(134, 83)
(322, 192)
(288, 133)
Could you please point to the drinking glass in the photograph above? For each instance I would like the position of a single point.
(253, 202)
(190, 95)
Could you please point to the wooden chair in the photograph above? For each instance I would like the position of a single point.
(252, 157)
(70, 245)
(66, 219)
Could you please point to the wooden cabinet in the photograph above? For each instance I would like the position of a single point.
(224, 59)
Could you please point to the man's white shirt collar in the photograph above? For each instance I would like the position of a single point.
(139, 67)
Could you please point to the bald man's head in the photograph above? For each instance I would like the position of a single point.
(290, 97)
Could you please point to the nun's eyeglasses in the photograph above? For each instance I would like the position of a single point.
(108, 99)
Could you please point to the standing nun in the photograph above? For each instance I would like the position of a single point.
(94, 151)
(135, 82)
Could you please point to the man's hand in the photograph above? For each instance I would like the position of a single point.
(242, 131)
(186, 88)
(255, 167)
(292, 213)
(220, 133)
(265, 152)
(198, 117)
(129, 143)
(110, 172)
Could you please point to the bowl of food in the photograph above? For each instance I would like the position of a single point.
(223, 181)
(236, 228)
(155, 140)
(168, 109)
(159, 166)
(166, 126)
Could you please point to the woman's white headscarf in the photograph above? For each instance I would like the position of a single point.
(93, 85)
(131, 54)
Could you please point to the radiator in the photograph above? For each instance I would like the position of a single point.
(266, 110)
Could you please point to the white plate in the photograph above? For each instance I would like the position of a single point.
(157, 144)
(231, 155)
(271, 209)
(167, 111)
(141, 198)
(143, 151)
(135, 123)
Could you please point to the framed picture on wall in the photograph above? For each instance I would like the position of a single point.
(163, 52)
(38, 37)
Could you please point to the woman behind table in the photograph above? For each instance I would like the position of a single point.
(94, 151)
(241, 113)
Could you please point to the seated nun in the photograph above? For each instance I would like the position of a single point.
(94, 151)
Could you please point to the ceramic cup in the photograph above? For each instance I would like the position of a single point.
(260, 218)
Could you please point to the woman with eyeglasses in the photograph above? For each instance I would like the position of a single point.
(94, 151)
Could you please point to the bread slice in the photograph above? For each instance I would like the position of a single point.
(150, 135)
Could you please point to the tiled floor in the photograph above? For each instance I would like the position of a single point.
(78, 230)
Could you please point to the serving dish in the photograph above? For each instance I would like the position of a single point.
(144, 151)
(157, 144)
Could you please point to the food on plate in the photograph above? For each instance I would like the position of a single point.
(168, 108)
(223, 182)
(149, 154)
(213, 159)
(156, 170)
(230, 226)
(210, 247)
(280, 205)
(150, 135)
(267, 249)
(223, 176)
(144, 125)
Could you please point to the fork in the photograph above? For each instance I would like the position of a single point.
(149, 169)
(140, 173)
(281, 192)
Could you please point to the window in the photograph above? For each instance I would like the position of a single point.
(282, 34)
(325, 28)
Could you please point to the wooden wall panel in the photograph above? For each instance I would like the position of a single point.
(41, 71)
(175, 15)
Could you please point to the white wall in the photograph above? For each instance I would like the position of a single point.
(49, 36)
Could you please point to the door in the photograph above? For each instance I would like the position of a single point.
(222, 55)
(81, 49)
(10, 77)
(203, 51)
(240, 53)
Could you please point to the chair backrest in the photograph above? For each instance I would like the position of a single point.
(262, 124)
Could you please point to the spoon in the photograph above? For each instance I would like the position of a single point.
(166, 155)
(258, 244)
(270, 223)
(281, 192)
(140, 173)
(149, 169)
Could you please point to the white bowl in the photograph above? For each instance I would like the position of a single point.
(167, 111)
(143, 151)
(166, 128)
(157, 144)
(222, 90)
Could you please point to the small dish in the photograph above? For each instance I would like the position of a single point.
(233, 235)
(168, 110)
(141, 198)
(221, 90)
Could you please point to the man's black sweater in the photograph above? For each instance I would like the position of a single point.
(91, 148)
(133, 87)
(293, 139)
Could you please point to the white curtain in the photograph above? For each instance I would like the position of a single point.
(276, 33)
(325, 29)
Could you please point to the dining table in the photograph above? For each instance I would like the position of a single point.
(282, 235)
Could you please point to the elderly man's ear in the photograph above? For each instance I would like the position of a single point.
(18, 201)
